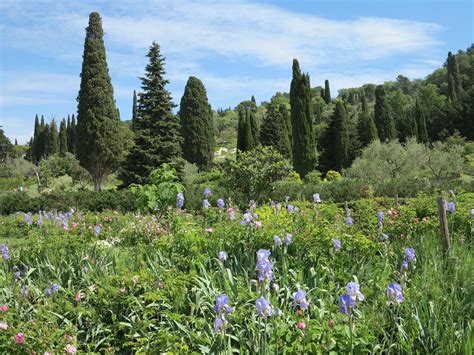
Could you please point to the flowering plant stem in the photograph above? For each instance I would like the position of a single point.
(351, 321)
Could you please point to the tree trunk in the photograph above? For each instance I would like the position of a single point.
(97, 183)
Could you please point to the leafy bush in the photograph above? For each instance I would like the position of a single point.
(161, 193)
(252, 173)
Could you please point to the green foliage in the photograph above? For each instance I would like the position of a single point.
(101, 140)
(327, 92)
(247, 130)
(304, 146)
(196, 124)
(58, 165)
(157, 131)
(253, 172)
(160, 194)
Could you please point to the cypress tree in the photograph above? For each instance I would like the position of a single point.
(254, 128)
(71, 139)
(383, 118)
(454, 78)
(422, 131)
(274, 131)
(241, 126)
(16, 141)
(157, 135)
(304, 147)
(53, 141)
(35, 157)
(337, 142)
(197, 126)
(63, 148)
(41, 142)
(366, 129)
(46, 141)
(288, 130)
(102, 142)
(327, 92)
(254, 101)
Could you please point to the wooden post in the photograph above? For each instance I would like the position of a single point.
(443, 223)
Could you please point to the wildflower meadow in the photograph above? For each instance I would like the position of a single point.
(277, 277)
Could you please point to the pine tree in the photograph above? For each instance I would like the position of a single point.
(366, 129)
(274, 131)
(102, 142)
(422, 132)
(383, 118)
(327, 92)
(157, 134)
(197, 126)
(63, 148)
(304, 147)
(53, 141)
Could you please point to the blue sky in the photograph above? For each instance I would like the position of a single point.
(237, 48)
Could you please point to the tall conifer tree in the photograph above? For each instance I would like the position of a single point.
(304, 147)
(420, 119)
(102, 142)
(197, 126)
(327, 92)
(274, 132)
(63, 137)
(366, 129)
(157, 135)
(53, 142)
(383, 118)
(134, 110)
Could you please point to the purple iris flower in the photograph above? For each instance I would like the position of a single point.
(287, 239)
(349, 221)
(205, 204)
(404, 265)
(27, 219)
(337, 244)
(97, 230)
(346, 304)
(207, 192)
(220, 323)
(410, 255)
(380, 216)
(277, 241)
(220, 203)
(451, 207)
(264, 268)
(291, 209)
(299, 299)
(316, 198)
(222, 304)
(394, 293)
(179, 200)
(5, 252)
(222, 256)
(264, 307)
(353, 290)
(246, 218)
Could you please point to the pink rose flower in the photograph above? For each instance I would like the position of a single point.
(301, 325)
(19, 338)
(70, 349)
(3, 325)
(4, 308)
